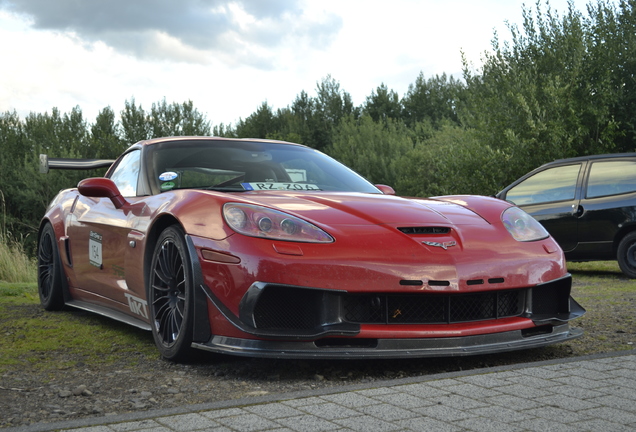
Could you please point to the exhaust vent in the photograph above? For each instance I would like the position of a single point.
(425, 230)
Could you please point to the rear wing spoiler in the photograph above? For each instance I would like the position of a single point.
(47, 163)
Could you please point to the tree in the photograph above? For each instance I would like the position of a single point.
(177, 120)
(372, 149)
(383, 104)
(543, 96)
(105, 136)
(134, 123)
(434, 99)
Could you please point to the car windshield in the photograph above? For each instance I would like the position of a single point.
(236, 166)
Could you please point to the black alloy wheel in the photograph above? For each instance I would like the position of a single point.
(49, 271)
(170, 295)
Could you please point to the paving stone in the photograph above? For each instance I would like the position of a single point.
(601, 425)
(512, 401)
(616, 402)
(560, 415)
(613, 414)
(472, 391)
(366, 424)
(488, 425)
(503, 415)
(459, 402)
(578, 392)
(308, 423)
(427, 424)
(524, 391)
(444, 413)
(387, 412)
(274, 410)
(404, 400)
(582, 382)
(543, 425)
(350, 399)
(486, 380)
(568, 403)
(329, 410)
(247, 422)
(425, 390)
(187, 422)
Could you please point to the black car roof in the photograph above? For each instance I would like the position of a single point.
(591, 157)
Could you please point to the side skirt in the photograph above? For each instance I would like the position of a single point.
(109, 313)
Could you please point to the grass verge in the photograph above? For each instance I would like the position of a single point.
(39, 340)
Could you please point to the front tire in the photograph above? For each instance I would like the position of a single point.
(626, 255)
(170, 295)
(50, 286)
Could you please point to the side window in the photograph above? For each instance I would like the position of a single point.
(611, 178)
(126, 174)
(553, 184)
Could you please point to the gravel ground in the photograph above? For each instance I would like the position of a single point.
(140, 382)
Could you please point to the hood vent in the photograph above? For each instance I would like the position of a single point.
(425, 230)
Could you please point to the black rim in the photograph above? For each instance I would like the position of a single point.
(45, 265)
(168, 292)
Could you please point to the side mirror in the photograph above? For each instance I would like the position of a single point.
(386, 190)
(101, 187)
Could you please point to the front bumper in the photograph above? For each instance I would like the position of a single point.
(355, 348)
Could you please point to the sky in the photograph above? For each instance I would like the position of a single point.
(230, 56)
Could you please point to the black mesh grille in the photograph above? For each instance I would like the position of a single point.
(432, 308)
(287, 308)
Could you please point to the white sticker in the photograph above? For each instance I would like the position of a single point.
(167, 176)
(95, 249)
(137, 305)
(280, 186)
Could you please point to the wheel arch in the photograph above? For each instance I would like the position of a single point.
(625, 230)
(202, 327)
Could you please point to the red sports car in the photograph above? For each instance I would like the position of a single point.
(272, 249)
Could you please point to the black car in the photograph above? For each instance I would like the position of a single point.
(588, 204)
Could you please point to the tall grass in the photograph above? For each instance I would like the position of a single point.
(15, 265)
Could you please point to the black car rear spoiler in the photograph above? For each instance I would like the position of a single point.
(47, 163)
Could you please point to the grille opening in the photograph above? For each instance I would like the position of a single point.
(475, 282)
(536, 331)
(282, 307)
(496, 280)
(432, 308)
(438, 283)
(346, 343)
(424, 230)
(411, 282)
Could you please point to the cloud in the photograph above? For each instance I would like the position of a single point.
(241, 32)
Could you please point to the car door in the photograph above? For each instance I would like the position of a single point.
(99, 235)
(608, 205)
(552, 196)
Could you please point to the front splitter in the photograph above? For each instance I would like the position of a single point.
(389, 348)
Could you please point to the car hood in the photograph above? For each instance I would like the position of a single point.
(366, 209)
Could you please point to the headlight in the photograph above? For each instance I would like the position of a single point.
(256, 221)
(522, 226)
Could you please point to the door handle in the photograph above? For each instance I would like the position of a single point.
(577, 210)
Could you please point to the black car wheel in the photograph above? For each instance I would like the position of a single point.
(627, 255)
(170, 295)
(49, 271)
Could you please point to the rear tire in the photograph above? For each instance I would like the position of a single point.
(626, 255)
(170, 295)
(50, 286)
